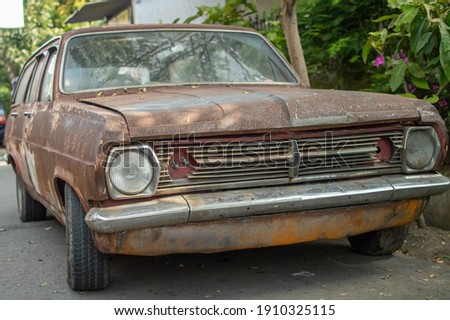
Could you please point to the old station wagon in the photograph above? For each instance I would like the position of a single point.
(163, 139)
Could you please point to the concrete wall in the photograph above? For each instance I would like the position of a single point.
(437, 213)
(157, 11)
(266, 5)
(166, 11)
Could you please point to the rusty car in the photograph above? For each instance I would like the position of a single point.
(165, 139)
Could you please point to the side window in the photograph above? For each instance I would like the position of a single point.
(47, 80)
(23, 82)
(32, 92)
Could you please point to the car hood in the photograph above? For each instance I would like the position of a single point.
(218, 110)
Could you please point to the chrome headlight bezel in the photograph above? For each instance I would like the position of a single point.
(150, 187)
(409, 133)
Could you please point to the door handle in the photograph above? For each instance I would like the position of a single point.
(14, 114)
(28, 114)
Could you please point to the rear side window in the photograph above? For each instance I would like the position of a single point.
(23, 82)
(33, 87)
(47, 80)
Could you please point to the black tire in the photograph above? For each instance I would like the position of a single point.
(87, 268)
(380, 242)
(29, 209)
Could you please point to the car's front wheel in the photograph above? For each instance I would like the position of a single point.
(87, 268)
(29, 209)
(379, 242)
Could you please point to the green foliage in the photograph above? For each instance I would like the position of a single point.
(333, 34)
(44, 19)
(234, 12)
(237, 12)
(275, 34)
(4, 98)
(412, 47)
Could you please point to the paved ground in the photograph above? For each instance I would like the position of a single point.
(33, 266)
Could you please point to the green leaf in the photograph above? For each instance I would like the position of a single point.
(384, 18)
(433, 99)
(408, 15)
(394, 3)
(420, 83)
(354, 59)
(383, 34)
(444, 50)
(428, 9)
(422, 41)
(408, 95)
(415, 70)
(430, 45)
(433, 62)
(443, 80)
(445, 37)
(398, 74)
(365, 51)
(417, 30)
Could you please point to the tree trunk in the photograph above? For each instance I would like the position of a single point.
(290, 27)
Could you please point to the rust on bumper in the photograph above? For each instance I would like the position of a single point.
(210, 206)
(259, 231)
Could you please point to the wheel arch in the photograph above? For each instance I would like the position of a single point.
(59, 184)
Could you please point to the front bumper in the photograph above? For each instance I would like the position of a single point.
(215, 206)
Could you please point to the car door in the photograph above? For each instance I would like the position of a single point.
(39, 131)
(29, 111)
(17, 123)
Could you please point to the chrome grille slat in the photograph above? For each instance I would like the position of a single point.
(336, 170)
(341, 152)
(229, 179)
(232, 170)
(233, 174)
(238, 160)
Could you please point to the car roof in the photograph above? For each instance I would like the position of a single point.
(136, 27)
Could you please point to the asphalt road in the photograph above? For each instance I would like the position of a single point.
(33, 266)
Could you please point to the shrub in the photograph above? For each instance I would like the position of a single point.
(411, 51)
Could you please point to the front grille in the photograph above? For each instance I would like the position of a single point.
(348, 153)
(190, 166)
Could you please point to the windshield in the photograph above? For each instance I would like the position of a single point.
(125, 59)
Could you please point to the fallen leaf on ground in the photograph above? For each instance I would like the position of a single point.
(303, 274)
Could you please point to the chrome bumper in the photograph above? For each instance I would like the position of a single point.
(260, 201)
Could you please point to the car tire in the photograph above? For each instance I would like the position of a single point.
(29, 209)
(379, 242)
(87, 268)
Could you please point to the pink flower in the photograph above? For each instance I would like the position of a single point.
(403, 56)
(442, 103)
(435, 87)
(400, 56)
(379, 61)
(411, 87)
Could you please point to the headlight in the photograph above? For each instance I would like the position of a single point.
(132, 172)
(421, 149)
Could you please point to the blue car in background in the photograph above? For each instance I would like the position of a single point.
(2, 124)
